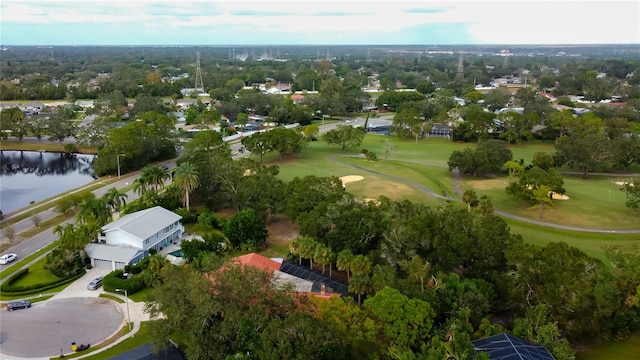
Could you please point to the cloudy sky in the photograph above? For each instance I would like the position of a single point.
(262, 22)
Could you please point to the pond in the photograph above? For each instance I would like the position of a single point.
(32, 176)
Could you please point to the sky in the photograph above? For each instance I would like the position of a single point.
(313, 22)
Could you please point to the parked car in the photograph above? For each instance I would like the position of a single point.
(7, 258)
(18, 304)
(95, 283)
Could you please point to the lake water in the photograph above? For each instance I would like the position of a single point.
(27, 176)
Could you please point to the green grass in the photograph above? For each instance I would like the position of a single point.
(112, 297)
(594, 202)
(37, 275)
(7, 145)
(624, 350)
(141, 296)
(18, 265)
(140, 338)
(590, 243)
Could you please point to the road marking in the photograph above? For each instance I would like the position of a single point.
(27, 248)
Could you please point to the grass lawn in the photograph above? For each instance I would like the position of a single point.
(7, 145)
(141, 296)
(623, 350)
(594, 202)
(590, 243)
(7, 272)
(37, 275)
(140, 338)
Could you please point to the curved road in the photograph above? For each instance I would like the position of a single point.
(498, 212)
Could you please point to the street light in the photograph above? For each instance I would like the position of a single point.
(128, 314)
(118, 159)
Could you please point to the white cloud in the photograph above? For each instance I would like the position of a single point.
(512, 21)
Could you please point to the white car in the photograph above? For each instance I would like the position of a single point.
(7, 258)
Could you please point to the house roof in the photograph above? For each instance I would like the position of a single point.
(117, 253)
(144, 223)
(318, 279)
(507, 347)
(259, 262)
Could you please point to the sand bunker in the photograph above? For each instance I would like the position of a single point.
(555, 196)
(374, 201)
(622, 183)
(350, 178)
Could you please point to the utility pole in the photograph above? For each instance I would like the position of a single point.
(199, 87)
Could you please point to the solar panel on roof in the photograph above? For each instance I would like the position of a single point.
(508, 347)
(318, 279)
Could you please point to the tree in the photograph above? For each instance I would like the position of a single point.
(542, 196)
(36, 220)
(114, 199)
(388, 148)
(257, 143)
(344, 261)
(532, 180)
(344, 136)
(322, 255)
(538, 327)
(407, 122)
(470, 198)
(241, 311)
(187, 179)
(10, 234)
(246, 230)
(418, 269)
(586, 148)
(285, 141)
(489, 157)
(405, 322)
(632, 190)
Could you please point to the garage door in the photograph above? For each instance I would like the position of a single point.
(120, 265)
(104, 264)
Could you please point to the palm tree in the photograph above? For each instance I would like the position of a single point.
(321, 255)
(294, 249)
(115, 200)
(92, 209)
(345, 258)
(154, 176)
(187, 179)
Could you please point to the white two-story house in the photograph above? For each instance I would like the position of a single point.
(129, 239)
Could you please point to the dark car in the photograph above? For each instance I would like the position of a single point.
(18, 304)
(95, 283)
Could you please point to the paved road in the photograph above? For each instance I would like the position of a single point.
(47, 327)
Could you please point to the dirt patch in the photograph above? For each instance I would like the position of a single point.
(281, 232)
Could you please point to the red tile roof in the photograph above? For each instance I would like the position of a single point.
(258, 261)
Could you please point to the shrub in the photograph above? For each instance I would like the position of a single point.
(188, 217)
(114, 281)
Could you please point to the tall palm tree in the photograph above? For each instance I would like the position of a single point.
(115, 200)
(92, 209)
(154, 176)
(187, 179)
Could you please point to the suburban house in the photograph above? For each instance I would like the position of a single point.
(304, 280)
(128, 240)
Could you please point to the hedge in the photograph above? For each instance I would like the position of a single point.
(36, 288)
(114, 281)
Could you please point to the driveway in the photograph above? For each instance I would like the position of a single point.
(78, 288)
(51, 326)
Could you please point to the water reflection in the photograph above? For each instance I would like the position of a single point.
(27, 176)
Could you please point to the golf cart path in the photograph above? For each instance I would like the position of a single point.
(457, 178)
